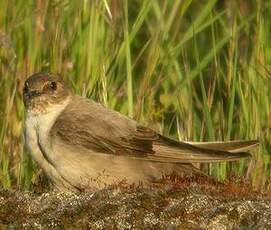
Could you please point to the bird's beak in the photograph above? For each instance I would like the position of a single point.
(30, 94)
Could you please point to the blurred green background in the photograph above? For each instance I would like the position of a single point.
(192, 70)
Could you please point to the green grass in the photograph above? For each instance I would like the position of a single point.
(193, 70)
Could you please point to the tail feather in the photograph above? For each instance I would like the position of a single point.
(173, 151)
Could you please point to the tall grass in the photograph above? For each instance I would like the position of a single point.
(193, 70)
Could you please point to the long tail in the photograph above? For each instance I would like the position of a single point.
(168, 150)
(230, 146)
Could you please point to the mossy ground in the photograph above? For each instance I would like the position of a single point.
(174, 203)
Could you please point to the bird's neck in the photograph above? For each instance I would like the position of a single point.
(43, 121)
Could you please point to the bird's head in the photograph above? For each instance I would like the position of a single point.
(43, 91)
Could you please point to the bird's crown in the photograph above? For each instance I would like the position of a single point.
(42, 90)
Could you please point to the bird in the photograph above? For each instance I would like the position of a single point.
(81, 144)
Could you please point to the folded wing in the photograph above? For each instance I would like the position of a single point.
(85, 123)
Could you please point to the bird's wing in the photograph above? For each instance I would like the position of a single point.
(230, 146)
(85, 123)
(188, 153)
(90, 125)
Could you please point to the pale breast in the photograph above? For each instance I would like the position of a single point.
(31, 137)
(37, 129)
(42, 125)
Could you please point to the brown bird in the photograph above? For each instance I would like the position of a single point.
(80, 144)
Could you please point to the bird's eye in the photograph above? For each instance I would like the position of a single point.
(53, 85)
(50, 86)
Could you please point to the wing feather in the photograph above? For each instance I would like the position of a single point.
(85, 123)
